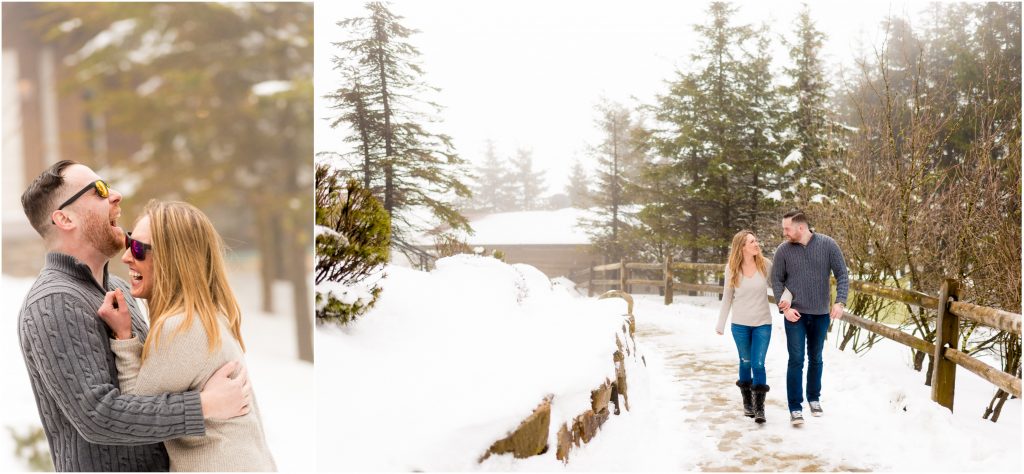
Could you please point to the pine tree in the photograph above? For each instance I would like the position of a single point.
(810, 120)
(494, 190)
(221, 140)
(757, 172)
(702, 134)
(351, 244)
(619, 158)
(353, 104)
(578, 188)
(672, 198)
(527, 184)
(412, 167)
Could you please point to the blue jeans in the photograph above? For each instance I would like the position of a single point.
(752, 344)
(809, 330)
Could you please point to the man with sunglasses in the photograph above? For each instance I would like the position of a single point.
(89, 423)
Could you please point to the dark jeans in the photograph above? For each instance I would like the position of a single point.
(752, 344)
(809, 331)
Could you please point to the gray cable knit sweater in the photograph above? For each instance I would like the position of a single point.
(804, 270)
(89, 423)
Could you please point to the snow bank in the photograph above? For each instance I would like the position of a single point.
(449, 361)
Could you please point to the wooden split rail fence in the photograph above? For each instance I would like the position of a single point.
(949, 309)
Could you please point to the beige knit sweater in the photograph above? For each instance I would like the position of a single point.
(749, 301)
(182, 362)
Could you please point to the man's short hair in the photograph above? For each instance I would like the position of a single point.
(797, 216)
(38, 199)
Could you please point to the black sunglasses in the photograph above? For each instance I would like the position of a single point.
(101, 187)
(138, 249)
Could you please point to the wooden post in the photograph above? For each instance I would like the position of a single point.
(721, 282)
(947, 328)
(668, 279)
(590, 282)
(623, 276)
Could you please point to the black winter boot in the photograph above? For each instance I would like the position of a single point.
(748, 400)
(759, 392)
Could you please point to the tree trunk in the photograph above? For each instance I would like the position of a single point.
(298, 274)
(918, 360)
(995, 406)
(928, 373)
(268, 262)
(851, 330)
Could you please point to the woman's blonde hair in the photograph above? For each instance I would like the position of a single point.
(736, 258)
(188, 273)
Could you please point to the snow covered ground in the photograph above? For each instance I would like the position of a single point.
(283, 384)
(448, 361)
(694, 422)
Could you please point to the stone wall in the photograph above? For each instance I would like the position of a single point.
(530, 438)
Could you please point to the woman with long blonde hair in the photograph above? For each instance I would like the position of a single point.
(745, 294)
(175, 261)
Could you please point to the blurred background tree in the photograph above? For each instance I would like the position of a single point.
(217, 99)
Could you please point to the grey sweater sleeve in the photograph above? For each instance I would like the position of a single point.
(778, 272)
(838, 264)
(69, 349)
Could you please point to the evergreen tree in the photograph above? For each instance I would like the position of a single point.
(578, 188)
(702, 134)
(756, 172)
(619, 158)
(354, 109)
(527, 184)
(494, 189)
(671, 189)
(222, 139)
(810, 120)
(352, 240)
(415, 168)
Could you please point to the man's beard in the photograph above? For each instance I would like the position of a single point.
(102, 236)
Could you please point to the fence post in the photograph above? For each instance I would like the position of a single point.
(590, 282)
(668, 279)
(623, 276)
(721, 282)
(947, 328)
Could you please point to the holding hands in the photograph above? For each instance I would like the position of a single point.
(791, 314)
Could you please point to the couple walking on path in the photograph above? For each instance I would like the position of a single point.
(799, 273)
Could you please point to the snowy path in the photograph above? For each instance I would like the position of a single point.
(878, 413)
(705, 389)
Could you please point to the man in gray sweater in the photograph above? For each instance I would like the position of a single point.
(802, 265)
(89, 424)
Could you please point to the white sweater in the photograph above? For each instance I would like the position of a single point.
(749, 301)
(183, 361)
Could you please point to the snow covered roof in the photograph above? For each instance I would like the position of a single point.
(559, 227)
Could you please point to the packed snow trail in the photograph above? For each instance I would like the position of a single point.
(878, 413)
(705, 384)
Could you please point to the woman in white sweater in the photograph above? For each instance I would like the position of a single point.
(175, 261)
(746, 291)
